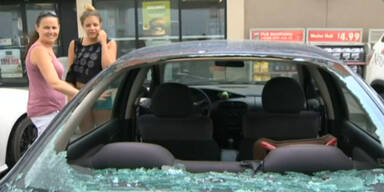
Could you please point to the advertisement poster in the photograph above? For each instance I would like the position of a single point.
(334, 35)
(5, 41)
(261, 71)
(278, 34)
(10, 63)
(157, 18)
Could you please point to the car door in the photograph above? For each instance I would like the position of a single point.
(356, 119)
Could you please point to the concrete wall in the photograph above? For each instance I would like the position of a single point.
(235, 19)
(80, 7)
(313, 13)
(245, 14)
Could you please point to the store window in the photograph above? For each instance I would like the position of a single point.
(138, 23)
(119, 22)
(19, 20)
(158, 21)
(202, 19)
(11, 44)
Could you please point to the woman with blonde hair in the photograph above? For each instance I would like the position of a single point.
(47, 89)
(89, 55)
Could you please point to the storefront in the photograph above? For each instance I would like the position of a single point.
(139, 23)
(343, 43)
(17, 20)
(133, 24)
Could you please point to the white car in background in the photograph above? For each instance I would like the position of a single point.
(374, 74)
(16, 130)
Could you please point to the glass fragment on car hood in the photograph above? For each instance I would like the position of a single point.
(53, 173)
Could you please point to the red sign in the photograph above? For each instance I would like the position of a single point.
(334, 36)
(296, 35)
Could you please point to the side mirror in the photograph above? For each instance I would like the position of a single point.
(3, 170)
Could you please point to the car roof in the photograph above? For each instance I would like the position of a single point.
(227, 48)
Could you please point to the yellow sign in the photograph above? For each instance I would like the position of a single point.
(156, 18)
(261, 71)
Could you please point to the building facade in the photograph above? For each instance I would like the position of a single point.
(132, 23)
(138, 23)
(365, 14)
(17, 22)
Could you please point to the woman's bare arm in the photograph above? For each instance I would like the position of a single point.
(40, 56)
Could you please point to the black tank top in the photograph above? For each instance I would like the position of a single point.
(87, 63)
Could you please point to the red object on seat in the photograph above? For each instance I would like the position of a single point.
(332, 142)
(268, 146)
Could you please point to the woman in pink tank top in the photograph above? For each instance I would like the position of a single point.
(47, 89)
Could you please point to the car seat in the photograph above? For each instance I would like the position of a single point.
(283, 116)
(173, 125)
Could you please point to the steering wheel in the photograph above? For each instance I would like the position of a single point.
(201, 102)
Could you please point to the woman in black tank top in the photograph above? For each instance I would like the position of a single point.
(89, 55)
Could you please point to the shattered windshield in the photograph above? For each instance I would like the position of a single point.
(51, 172)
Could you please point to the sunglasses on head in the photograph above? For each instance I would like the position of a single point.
(48, 13)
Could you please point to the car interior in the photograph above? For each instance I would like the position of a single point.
(294, 116)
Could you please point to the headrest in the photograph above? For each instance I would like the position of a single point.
(172, 100)
(306, 158)
(131, 155)
(283, 95)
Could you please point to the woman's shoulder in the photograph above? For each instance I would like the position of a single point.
(77, 41)
(37, 48)
(35, 45)
(75, 44)
(38, 53)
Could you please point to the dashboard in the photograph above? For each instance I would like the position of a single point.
(227, 110)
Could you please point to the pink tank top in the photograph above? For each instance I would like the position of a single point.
(43, 99)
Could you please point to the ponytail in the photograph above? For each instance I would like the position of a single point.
(32, 39)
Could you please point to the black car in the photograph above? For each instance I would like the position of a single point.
(213, 116)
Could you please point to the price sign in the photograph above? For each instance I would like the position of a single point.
(334, 35)
(10, 63)
(281, 35)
